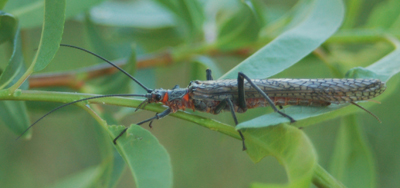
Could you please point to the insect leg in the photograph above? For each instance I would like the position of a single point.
(208, 74)
(221, 106)
(242, 100)
(142, 105)
(157, 116)
(241, 96)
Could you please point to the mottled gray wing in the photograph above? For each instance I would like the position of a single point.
(330, 90)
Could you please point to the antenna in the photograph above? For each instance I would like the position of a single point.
(73, 102)
(109, 62)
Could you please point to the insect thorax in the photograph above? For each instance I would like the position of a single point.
(177, 94)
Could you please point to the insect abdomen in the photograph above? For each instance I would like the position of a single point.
(209, 106)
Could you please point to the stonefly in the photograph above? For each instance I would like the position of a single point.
(238, 95)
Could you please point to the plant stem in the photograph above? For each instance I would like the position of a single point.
(75, 79)
(65, 97)
(323, 179)
(21, 80)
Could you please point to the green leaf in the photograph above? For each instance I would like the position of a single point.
(147, 159)
(197, 71)
(13, 113)
(241, 29)
(296, 112)
(282, 20)
(155, 39)
(30, 13)
(117, 170)
(323, 179)
(322, 20)
(15, 67)
(384, 15)
(96, 40)
(352, 161)
(8, 27)
(290, 146)
(139, 14)
(107, 153)
(52, 31)
(2, 4)
(261, 11)
(118, 82)
(199, 66)
(112, 162)
(383, 69)
(352, 12)
(115, 83)
(189, 12)
(82, 179)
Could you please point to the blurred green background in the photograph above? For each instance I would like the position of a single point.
(65, 142)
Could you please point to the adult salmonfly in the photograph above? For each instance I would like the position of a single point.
(238, 95)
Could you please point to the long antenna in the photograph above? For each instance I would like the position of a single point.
(109, 62)
(73, 102)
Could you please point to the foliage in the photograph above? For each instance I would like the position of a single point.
(308, 38)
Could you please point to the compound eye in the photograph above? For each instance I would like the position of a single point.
(158, 97)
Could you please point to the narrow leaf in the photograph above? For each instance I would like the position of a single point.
(383, 69)
(13, 113)
(352, 13)
(189, 12)
(16, 67)
(30, 13)
(147, 159)
(115, 83)
(8, 27)
(290, 146)
(81, 179)
(139, 14)
(202, 63)
(2, 4)
(324, 18)
(52, 30)
(384, 15)
(352, 160)
(107, 152)
(96, 40)
(117, 170)
(241, 29)
(118, 82)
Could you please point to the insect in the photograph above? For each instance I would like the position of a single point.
(238, 95)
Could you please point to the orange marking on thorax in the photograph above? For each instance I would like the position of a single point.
(165, 98)
(186, 97)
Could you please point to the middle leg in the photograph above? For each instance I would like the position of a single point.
(157, 116)
(242, 99)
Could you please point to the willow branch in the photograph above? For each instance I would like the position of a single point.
(76, 79)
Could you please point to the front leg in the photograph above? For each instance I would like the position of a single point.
(242, 100)
(157, 116)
